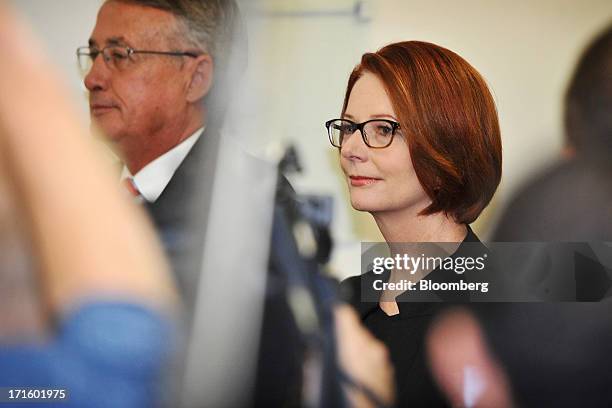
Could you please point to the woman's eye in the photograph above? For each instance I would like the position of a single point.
(384, 130)
(345, 128)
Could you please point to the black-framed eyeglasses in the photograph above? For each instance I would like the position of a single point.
(117, 58)
(376, 133)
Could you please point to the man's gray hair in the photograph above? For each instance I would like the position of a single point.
(209, 25)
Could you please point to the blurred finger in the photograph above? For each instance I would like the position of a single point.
(462, 364)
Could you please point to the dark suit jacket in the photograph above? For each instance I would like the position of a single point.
(179, 214)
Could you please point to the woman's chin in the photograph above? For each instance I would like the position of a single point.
(362, 205)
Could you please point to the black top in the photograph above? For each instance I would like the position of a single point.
(404, 333)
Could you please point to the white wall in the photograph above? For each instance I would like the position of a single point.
(63, 25)
(299, 69)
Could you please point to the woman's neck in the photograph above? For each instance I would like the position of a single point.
(408, 226)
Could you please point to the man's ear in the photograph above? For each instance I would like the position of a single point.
(201, 78)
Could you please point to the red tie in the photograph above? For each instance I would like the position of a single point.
(129, 185)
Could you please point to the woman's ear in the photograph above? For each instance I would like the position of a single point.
(201, 78)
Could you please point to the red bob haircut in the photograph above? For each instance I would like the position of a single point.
(448, 119)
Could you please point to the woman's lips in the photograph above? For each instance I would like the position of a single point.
(358, 181)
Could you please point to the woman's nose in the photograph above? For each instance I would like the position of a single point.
(354, 148)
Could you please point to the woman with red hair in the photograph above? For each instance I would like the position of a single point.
(420, 146)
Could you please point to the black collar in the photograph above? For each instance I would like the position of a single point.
(411, 305)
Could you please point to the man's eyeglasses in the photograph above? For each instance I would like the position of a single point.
(118, 58)
(376, 133)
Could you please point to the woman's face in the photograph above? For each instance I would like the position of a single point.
(379, 180)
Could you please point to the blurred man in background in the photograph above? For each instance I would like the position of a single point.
(572, 200)
(154, 71)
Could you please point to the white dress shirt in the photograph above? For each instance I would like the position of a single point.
(153, 178)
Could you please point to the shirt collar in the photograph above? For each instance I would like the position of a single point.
(153, 178)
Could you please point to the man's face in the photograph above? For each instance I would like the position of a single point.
(146, 98)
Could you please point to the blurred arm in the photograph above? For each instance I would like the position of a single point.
(364, 359)
(90, 242)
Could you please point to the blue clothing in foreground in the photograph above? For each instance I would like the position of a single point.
(105, 354)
